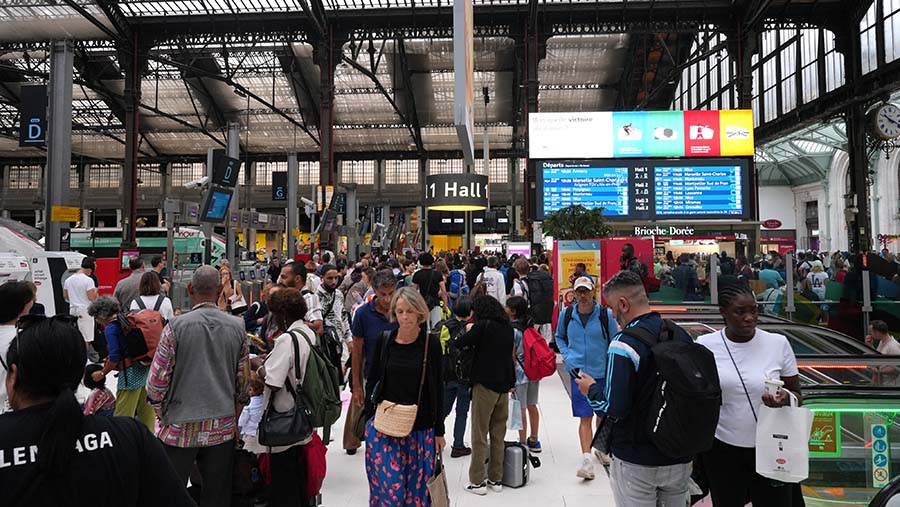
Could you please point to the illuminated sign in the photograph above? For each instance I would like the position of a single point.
(279, 185)
(456, 192)
(33, 120)
(640, 134)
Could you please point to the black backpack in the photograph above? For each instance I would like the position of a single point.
(683, 396)
(332, 346)
(541, 300)
(456, 361)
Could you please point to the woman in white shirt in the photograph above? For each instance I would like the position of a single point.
(745, 357)
(16, 300)
(151, 297)
(288, 309)
(817, 278)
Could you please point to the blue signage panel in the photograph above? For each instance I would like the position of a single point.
(647, 189)
(688, 190)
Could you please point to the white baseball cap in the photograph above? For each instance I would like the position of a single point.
(584, 281)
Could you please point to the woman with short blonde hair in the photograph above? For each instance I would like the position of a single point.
(403, 353)
(414, 299)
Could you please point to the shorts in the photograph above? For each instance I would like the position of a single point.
(527, 393)
(581, 407)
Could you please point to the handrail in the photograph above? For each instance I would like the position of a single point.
(884, 496)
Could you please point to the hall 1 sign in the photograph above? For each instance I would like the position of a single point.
(33, 122)
(456, 192)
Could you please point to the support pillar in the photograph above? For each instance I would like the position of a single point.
(423, 211)
(132, 61)
(856, 207)
(207, 226)
(327, 58)
(233, 151)
(512, 176)
(352, 222)
(292, 210)
(59, 138)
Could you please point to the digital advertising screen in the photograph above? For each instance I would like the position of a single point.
(215, 208)
(647, 189)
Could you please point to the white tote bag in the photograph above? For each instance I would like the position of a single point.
(782, 442)
(514, 418)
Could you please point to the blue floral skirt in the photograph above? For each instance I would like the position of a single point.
(399, 468)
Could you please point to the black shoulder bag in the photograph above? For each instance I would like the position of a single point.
(278, 429)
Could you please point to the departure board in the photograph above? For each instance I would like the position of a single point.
(647, 189)
(589, 186)
(689, 190)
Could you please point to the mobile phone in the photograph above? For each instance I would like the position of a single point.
(576, 372)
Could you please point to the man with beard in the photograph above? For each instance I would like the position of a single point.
(294, 275)
(335, 321)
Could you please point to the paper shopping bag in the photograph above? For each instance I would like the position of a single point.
(514, 419)
(782, 443)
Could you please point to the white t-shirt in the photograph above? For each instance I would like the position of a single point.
(766, 356)
(519, 288)
(888, 347)
(7, 335)
(818, 283)
(280, 369)
(150, 302)
(495, 284)
(78, 286)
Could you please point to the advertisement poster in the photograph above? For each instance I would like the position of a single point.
(736, 132)
(665, 134)
(640, 134)
(825, 436)
(629, 133)
(567, 254)
(611, 255)
(702, 134)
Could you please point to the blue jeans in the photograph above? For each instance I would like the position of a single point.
(462, 394)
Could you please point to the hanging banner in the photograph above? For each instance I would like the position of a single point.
(464, 77)
(33, 119)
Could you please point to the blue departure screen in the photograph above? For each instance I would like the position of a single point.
(586, 185)
(218, 205)
(698, 190)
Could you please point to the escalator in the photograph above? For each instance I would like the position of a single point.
(855, 439)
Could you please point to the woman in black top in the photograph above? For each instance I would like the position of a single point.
(493, 376)
(399, 467)
(53, 455)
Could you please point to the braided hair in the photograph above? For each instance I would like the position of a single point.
(730, 292)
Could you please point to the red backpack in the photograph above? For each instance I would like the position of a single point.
(540, 361)
(143, 330)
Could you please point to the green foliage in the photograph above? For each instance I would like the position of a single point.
(576, 222)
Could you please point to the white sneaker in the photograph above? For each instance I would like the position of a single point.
(496, 487)
(604, 458)
(586, 471)
(478, 489)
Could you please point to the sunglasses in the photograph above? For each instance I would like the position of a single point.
(26, 321)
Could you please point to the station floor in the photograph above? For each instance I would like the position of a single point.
(554, 484)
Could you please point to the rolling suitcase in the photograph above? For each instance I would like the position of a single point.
(517, 463)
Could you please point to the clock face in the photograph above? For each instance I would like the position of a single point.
(887, 121)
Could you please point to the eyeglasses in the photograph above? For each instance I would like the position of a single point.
(29, 320)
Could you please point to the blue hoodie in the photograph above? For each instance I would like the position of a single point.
(585, 348)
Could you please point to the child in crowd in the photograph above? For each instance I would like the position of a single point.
(101, 401)
(249, 420)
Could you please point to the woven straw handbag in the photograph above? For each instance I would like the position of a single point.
(397, 420)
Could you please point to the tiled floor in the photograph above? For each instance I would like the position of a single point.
(552, 485)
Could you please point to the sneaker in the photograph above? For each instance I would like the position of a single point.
(586, 471)
(478, 489)
(604, 458)
(534, 445)
(459, 452)
(496, 487)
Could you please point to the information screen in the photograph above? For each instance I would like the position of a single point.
(698, 191)
(587, 184)
(647, 189)
(216, 206)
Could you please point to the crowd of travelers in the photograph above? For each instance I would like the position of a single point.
(225, 387)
